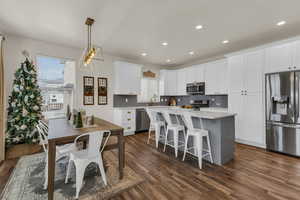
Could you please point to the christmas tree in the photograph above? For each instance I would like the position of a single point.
(24, 110)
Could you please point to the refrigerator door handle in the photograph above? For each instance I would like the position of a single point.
(284, 125)
(296, 98)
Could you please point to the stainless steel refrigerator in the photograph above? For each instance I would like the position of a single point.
(282, 112)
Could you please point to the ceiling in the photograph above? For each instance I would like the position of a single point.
(126, 28)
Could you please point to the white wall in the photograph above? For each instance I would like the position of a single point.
(14, 45)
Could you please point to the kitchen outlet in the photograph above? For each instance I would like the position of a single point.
(179, 100)
(213, 99)
(126, 100)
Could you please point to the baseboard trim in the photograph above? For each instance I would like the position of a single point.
(251, 143)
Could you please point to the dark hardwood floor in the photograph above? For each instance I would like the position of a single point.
(254, 174)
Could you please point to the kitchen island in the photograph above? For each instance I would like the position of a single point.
(221, 131)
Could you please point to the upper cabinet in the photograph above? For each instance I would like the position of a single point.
(283, 57)
(296, 58)
(195, 73)
(181, 81)
(168, 82)
(216, 77)
(246, 72)
(127, 78)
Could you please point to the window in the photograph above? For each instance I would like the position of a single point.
(56, 78)
(149, 90)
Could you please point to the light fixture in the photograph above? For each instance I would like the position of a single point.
(144, 54)
(281, 23)
(168, 60)
(164, 43)
(91, 52)
(198, 27)
(225, 41)
(191, 53)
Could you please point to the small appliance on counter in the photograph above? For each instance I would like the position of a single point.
(172, 102)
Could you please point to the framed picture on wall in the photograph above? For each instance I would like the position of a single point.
(102, 91)
(88, 90)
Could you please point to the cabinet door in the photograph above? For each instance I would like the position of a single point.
(127, 78)
(253, 127)
(253, 70)
(236, 74)
(171, 82)
(181, 81)
(296, 55)
(199, 73)
(279, 58)
(223, 79)
(235, 105)
(190, 75)
(211, 79)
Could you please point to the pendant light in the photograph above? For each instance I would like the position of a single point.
(91, 52)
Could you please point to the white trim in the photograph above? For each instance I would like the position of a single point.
(250, 143)
(262, 47)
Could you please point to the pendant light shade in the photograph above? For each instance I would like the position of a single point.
(91, 52)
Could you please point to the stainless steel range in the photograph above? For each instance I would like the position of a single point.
(282, 112)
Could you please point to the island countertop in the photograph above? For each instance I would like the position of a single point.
(200, 114)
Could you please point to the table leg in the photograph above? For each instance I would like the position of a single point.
(51, 168)
(121, 154)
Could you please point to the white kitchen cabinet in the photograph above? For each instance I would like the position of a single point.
(168, 82)
(181, 81)
(236, 73)
(249, 121)
(296, 57)
(280, 57)
(126, 119)
(127, 78)
(216, 77)
(246, 72)
(246, 96)
(195, 73)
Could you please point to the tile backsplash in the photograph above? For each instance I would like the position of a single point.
(131, 100)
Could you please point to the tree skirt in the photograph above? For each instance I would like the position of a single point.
(26, 182)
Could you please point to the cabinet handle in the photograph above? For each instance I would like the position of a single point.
(295, 67)
(289, 68)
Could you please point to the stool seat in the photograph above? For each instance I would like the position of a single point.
(198, 134)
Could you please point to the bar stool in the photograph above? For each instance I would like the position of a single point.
(176, 128)
(155, 125)
(198, 135)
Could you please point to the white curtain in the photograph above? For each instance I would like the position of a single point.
(2, 109)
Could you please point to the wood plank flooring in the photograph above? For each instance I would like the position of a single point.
(253, 174)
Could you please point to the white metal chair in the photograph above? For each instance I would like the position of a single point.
(61, 151)
(198, 135)
(155, 125)
(83, 158)
(175, 127)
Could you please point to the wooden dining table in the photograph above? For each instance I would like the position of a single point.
(61, 131)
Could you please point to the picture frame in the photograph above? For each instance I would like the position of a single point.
(102, 91)
(88, 90)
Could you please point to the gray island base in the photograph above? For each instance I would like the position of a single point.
(221, 131)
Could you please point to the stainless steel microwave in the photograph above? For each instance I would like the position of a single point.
(195, 88)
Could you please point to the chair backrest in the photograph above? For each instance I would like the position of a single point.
(187, 119)
(95, 141)
(167, 115)
(151, 115)
(42, 129)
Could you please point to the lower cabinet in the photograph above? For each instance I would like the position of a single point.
(249, 121)
(126, 119)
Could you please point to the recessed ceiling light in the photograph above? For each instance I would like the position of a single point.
(281, 23)
(225, 41)
(168, 60)
(144, 54)
(191, 53)
(164, 43)
(198, 27)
